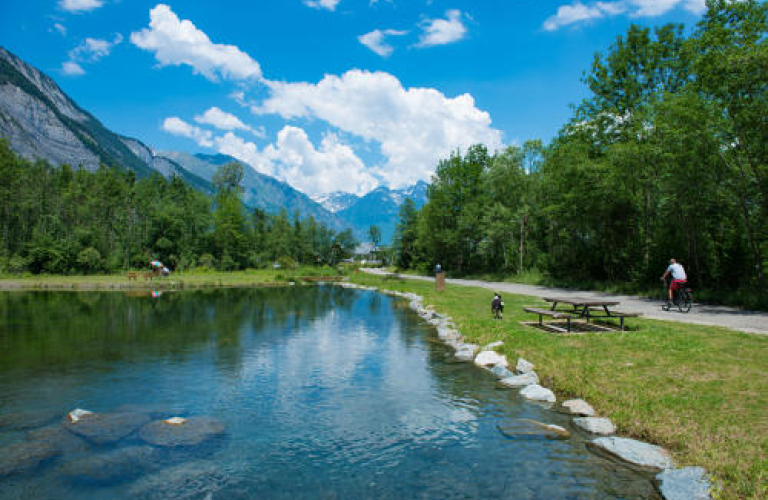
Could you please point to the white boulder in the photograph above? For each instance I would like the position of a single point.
(596, 425)
(536, 392)
(491, 358)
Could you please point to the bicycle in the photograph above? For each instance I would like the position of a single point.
(682, 298)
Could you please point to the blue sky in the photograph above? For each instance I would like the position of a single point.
(327, 94)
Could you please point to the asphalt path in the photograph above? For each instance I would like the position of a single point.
(700, 314)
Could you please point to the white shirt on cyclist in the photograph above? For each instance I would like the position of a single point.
(677, 271)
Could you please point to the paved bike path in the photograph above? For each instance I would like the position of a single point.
(701, 314)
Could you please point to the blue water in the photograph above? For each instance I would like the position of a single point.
(325, 392)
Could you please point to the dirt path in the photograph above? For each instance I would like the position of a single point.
(701, 314)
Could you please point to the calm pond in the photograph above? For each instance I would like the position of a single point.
(296, 392)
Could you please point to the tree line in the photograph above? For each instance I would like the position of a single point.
(665, 158)
(72, 221)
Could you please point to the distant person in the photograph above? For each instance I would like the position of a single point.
(166, 271)
(497, 306)
(679, 277)
(438, 269)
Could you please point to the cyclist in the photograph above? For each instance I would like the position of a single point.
(679, 277)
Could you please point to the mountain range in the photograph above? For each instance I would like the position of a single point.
(41, 122)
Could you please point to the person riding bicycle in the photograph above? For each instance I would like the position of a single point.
(679, 277)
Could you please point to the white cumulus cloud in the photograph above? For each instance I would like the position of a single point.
(443, 31)
(72, 68)
(176, 42)
(332, 166)
(177, 126)
(415, 127)
(322, 4)
(89, 51)
(578, 12)
(225, 121)
(375, 41)
(80, 5)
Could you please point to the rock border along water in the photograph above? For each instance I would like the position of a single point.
(673, 483)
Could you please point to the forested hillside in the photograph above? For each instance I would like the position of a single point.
(64, 220)
(665, 158)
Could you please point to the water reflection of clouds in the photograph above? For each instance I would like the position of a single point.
(351, 383)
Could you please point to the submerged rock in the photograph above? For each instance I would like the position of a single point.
(520, 380)
(194, 431)
(189, 481)
(121, 464)
(595, 425)
(24, 457)
(521, 427)
(536, 392)
(24, 420)
(59, 438)
(491, 358)
(105, 428)
(642, 455)
(577, 407)
(688, 483)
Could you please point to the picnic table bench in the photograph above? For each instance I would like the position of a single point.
(584, 308)
(552, 314)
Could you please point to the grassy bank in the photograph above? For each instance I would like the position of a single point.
(251, 277)
(699, 392)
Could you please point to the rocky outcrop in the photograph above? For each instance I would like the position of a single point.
(35, 131)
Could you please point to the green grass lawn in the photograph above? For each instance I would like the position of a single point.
(700, 392)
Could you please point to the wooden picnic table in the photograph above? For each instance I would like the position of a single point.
(583, 307)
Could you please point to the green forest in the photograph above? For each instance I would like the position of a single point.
(72, 221)
(666, 158)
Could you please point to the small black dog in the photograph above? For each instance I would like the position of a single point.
(497, 306)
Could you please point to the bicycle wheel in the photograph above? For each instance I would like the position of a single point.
(684, 301)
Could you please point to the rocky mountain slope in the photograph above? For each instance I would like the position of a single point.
(381, 207)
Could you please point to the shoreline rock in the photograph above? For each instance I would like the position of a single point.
(595, 425)
(642, 455)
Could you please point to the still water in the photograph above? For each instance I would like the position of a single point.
(315, 392)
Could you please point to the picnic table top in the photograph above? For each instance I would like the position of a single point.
(582, 301)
